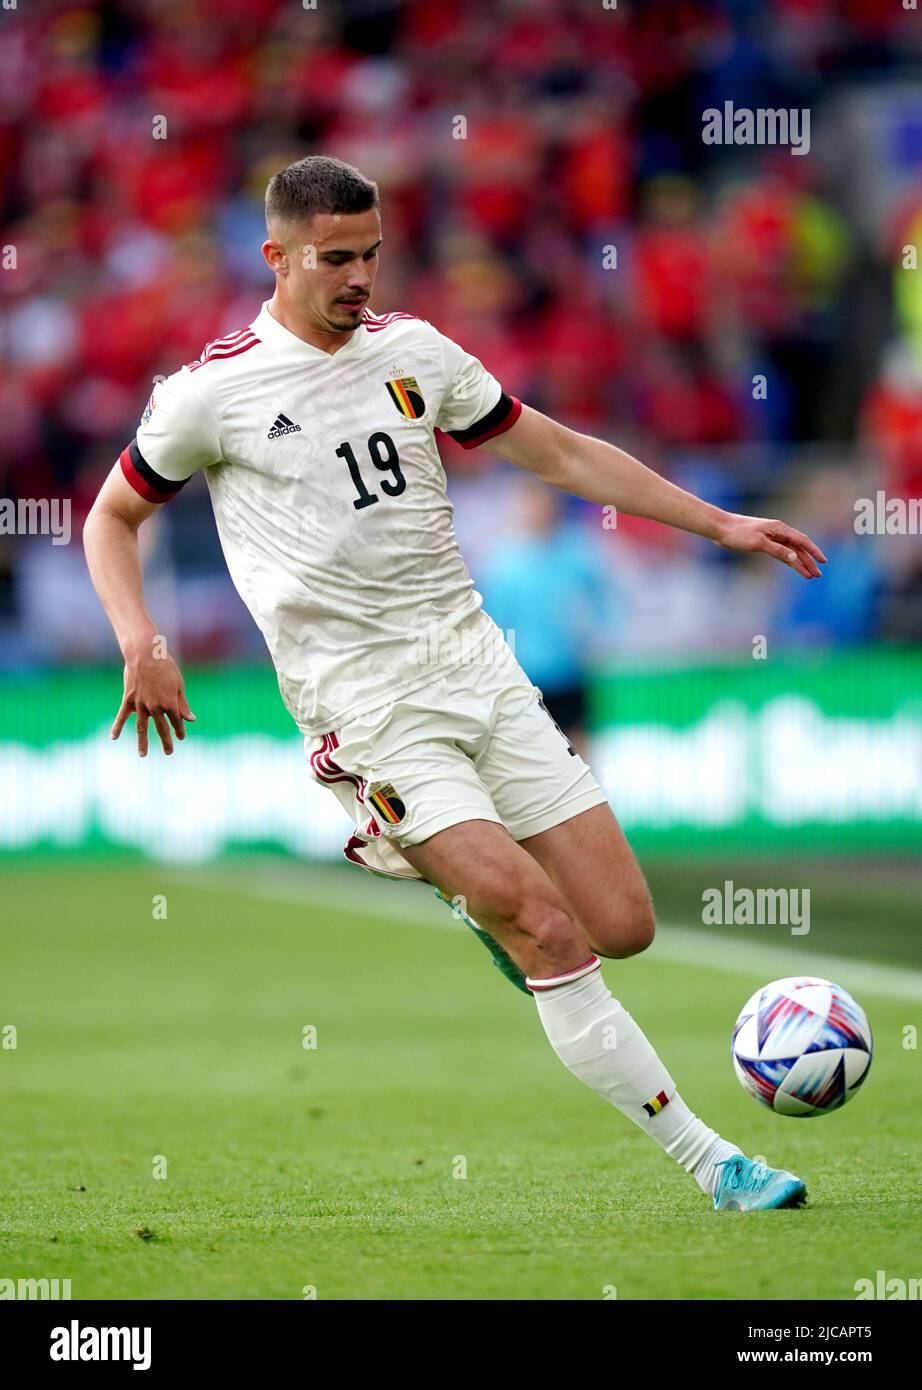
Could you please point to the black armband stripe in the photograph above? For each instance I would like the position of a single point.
(152, 479)
(505, 413)
(143, 479)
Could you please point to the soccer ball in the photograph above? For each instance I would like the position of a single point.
(802, 1046)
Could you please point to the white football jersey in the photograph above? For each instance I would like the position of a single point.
(329, 495)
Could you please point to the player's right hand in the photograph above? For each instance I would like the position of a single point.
(154, 691)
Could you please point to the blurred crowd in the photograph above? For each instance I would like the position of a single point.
(745, 319)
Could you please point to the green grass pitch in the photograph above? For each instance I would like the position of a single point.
(430, 1146)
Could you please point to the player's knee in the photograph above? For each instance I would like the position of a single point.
(642, 927)
(533, 915)
(549, 929)
(631, 932)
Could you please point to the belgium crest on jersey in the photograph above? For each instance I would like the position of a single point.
(384, 799)
(405, 393)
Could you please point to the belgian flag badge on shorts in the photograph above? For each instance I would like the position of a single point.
(405, 393)
(383, 799)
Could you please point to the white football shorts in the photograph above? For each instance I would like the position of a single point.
(475, 743)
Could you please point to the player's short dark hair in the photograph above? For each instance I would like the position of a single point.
(318, 183)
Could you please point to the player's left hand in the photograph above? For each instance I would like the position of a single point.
(775, 538)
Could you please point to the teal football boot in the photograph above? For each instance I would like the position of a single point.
(501, 960)
(746, 1185)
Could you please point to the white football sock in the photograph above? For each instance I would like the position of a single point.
(599, 1042)
(706, 1171)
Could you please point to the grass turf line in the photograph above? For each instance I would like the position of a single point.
(333, 1167)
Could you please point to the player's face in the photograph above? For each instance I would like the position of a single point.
(333, 266)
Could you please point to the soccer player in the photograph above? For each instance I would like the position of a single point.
(314, 427)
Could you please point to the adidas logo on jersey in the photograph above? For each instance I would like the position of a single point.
(282, 426)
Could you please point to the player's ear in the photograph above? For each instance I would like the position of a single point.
(275, 255)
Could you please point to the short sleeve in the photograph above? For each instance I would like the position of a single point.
(474, 406)
(177, 436)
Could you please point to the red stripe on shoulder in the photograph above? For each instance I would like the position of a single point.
(232, 346)
(375, 322)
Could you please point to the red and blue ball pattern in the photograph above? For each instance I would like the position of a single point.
(802, 1046)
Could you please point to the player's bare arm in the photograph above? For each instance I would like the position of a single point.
(602, 473)
(153, 683)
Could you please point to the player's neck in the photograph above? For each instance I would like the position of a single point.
(324, 339)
